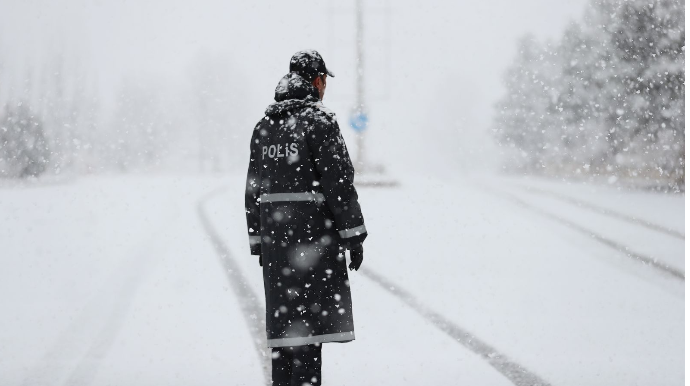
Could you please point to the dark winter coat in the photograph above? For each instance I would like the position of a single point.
(302, 213)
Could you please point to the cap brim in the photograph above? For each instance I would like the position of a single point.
(330, 73)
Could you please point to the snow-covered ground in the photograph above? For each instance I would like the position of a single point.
(114, 280)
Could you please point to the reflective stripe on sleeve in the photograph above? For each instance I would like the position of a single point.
(356, 231)
(302, 196)
(253, 240)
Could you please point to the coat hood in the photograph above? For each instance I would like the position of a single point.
(292, 92)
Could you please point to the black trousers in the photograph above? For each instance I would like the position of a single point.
(297, 366)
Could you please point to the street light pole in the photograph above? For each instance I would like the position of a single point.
(360, 107)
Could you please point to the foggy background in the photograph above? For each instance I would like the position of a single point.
(126, 82)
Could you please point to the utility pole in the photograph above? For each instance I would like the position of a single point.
(359, 115)
(370, 174)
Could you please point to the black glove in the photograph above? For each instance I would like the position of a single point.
(356, 256)
(261, 262)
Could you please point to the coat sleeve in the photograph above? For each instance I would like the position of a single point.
(336, 174)
(251, 197)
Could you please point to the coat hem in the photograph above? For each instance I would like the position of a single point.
(305, 340)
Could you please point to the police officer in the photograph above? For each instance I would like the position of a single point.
(302, 215)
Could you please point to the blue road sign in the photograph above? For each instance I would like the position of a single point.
(358, 121)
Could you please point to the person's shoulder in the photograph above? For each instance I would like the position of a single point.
(261, 121)
(321, 115)
(260, 127)
(325, 111)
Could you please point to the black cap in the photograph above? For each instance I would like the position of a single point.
(309, 64)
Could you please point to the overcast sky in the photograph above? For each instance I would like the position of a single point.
(432, 66)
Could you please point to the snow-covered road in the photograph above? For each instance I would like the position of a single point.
(119, 281)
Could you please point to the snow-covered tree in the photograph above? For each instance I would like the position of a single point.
(582, 135)
(23, 149)
(609, 98)
(524, 119)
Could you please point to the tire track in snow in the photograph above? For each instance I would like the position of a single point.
(254, 316)
(650, 261)
(516, 373)
(133, 274)
(605, 211)
(117, 292)
(85, 371)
